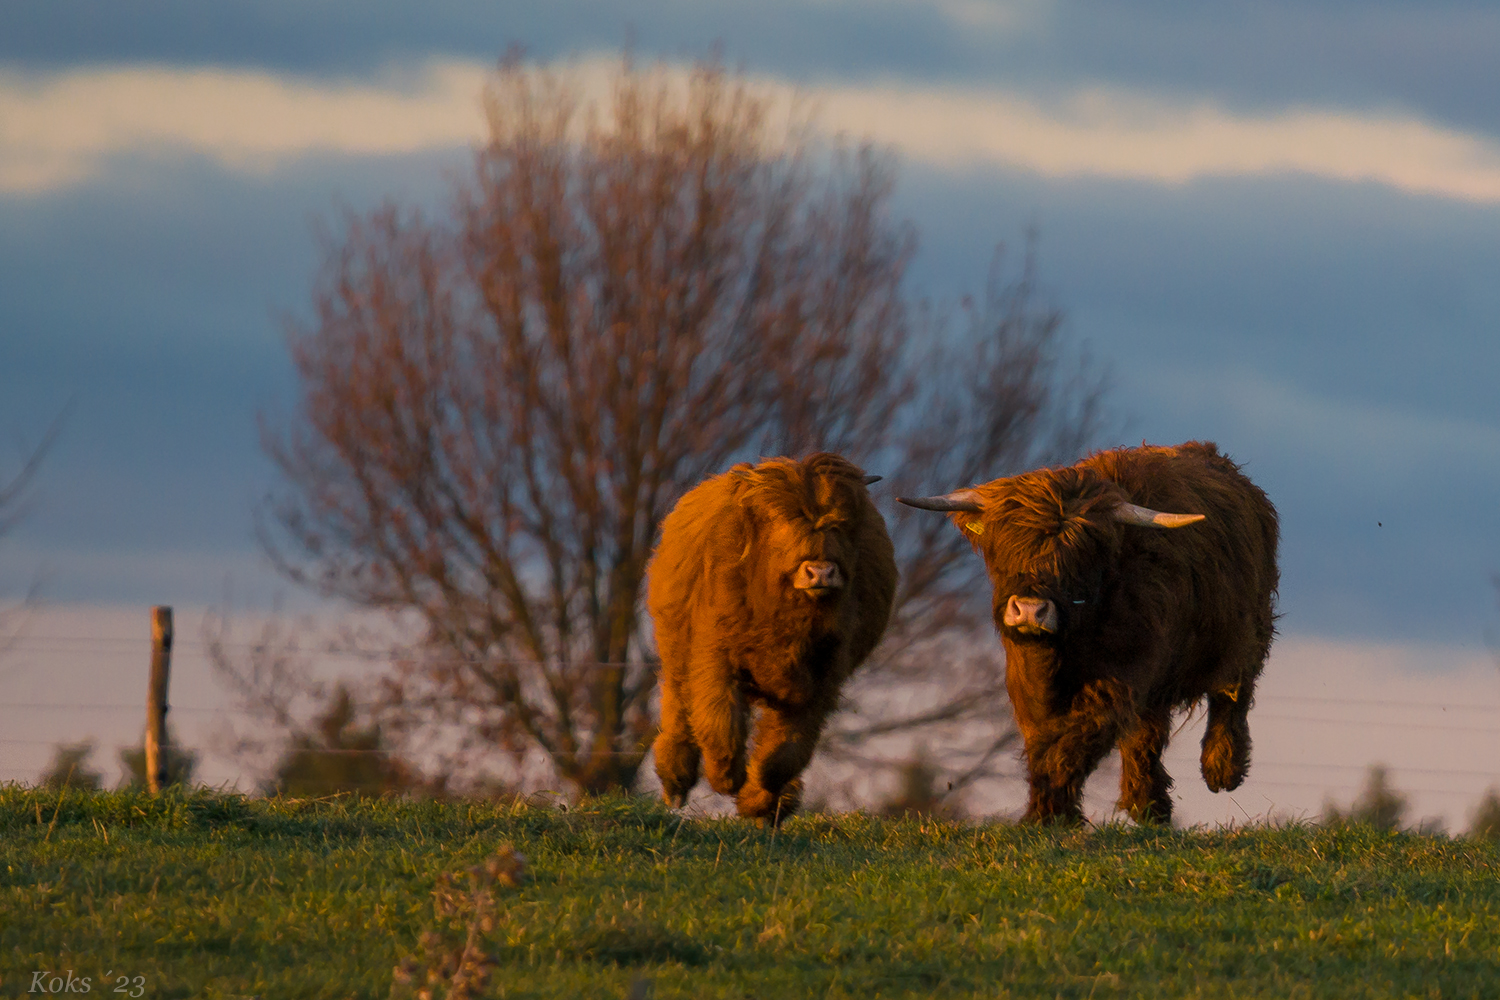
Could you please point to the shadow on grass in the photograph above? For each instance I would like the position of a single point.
(636, 946)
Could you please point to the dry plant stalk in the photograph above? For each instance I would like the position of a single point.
(454, 964)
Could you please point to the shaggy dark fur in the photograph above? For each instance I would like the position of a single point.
(1150, 619)
(735, 633)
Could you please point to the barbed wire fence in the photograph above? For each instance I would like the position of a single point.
(70, 720)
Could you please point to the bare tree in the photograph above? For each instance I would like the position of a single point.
(12, 509)
(498, 410)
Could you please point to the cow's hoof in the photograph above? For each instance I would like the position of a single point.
(755, 802)
(1049, 810)
(1222, 770)
(1053, 804)
(726, 784)
(1222, 779)
(1226, 753)
(1149, 813)
(790, 799)
(725, 777)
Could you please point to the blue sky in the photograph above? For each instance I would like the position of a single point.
(1276, 224)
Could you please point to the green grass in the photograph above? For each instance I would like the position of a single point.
(210, 895)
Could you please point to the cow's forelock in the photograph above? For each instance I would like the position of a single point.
(1048, 534)
(800, 515)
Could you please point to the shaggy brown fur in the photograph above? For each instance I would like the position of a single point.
(736, 634)
(1150, 620)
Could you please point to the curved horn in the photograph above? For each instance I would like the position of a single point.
(1129, 513)
(871, 480)
(957, 500)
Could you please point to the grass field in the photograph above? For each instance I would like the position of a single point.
(208, 895)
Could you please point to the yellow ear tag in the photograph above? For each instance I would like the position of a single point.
(974, 528)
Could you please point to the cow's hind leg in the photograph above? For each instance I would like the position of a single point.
(783, 746)
(1226, 741)
(1145, 785)
(677, 756)
(1065, 750)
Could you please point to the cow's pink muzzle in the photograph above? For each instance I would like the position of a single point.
(818, 577)
(1031, 615)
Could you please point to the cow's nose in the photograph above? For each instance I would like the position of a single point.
(818, 575)
(1031, 615)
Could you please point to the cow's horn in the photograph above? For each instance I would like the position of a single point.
(871, 480)
(1129, 513)
(957, 500)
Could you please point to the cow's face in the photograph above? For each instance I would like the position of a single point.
(1051, 542)
(1043, 606)
(801, 551)
(811, 563)
(1049, 545)
(1046, 585)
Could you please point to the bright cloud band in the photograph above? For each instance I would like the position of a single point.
(61, 130)
(1112, 134)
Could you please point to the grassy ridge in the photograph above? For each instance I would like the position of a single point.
(208, 895)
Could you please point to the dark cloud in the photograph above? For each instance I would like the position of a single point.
(1351, 291)
(153, 306)
(1433, 59)
(339, 37)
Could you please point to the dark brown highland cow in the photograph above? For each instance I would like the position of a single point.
(1110, 623)
(771, 583)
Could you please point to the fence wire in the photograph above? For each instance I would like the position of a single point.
(1393, 718)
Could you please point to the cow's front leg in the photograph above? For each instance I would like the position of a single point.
(1145, 785)
(785, 739)
(677, 756)
(1064, 750)
(716, 712)
(1226, 740)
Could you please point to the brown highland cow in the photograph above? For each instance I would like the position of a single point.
(770, 585)
(1110, 623)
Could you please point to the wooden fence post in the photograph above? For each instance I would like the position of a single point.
(156, 698)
